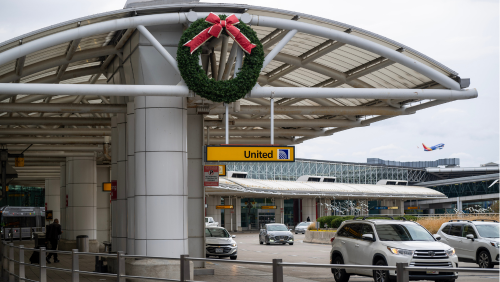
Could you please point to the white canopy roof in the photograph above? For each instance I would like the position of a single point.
(269, 188)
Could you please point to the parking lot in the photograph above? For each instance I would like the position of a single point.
(249, 249)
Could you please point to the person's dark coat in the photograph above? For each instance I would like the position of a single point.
(53, 232)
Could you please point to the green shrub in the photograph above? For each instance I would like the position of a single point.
(326, 220)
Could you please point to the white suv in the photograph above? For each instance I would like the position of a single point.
(387, 242)
(475, 241)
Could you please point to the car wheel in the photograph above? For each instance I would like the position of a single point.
(339, 274)
(267, 242)
(291, 244)
(295, 232)
(381, 275)
(261, 242)
(484, 259)
(233, 258)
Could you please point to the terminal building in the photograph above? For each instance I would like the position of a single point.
(100, 101)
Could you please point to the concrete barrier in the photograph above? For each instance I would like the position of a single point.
(318, 237)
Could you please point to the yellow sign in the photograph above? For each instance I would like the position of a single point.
(268, 207)
(412, 208)
(19, 162)
(392, 208)
(249, 154)
(106, 186)
(223, 207)
(222, 170)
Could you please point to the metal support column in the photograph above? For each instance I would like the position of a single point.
(12, 278)
(185, 273)
(403, 275)
(43, 265)
(277, 270)
(226, 117)
(121, 267)
(272, 120)
(22, 272)
(75, 276)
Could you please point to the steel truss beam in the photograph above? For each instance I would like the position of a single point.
(52, 140)
(257, 92)
(179, 18)
(62, 131)
(63, 108)
(315, 110)
(55, 121)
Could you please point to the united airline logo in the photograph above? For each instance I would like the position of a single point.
(283, 154)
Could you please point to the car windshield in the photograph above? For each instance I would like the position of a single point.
(407, 232)
(276, 228)
(206, 219)
(303, 224)
(216, 232)
(488, 230)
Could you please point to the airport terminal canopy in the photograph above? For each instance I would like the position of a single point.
(256, 188)
(324, 76)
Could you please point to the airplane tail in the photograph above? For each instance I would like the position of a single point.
(426, 148)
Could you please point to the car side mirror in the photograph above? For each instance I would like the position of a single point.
(290, 230)
(233, 236)
(437, 237)
(368, 237)
(470, 236)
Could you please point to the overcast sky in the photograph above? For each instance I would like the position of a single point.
(463, 35)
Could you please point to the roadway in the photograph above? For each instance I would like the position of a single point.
(249, 249)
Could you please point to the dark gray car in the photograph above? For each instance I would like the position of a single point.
(275, 233)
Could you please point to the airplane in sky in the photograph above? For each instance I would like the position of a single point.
(433, 148)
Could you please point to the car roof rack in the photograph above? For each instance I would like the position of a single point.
(459, 220)
(483, 220)
(373, 215)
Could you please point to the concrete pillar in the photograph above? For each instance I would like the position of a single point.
(309, 209)
(228, 214)
(161, 193)
(277, 212)
(130, 193)
(212, 202)
(62, 198)
(80, 187)
(114, 180)
(121, 199)
(237, 213)
(103, 205)
(52, 196)
(196, 190)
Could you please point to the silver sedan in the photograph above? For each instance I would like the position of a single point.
(302, 227)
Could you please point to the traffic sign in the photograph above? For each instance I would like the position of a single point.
(268, 207)
(211, 175)
(412, 208)
(249, 153)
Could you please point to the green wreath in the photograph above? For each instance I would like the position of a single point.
(226, 91)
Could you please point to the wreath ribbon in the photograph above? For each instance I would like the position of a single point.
(216, 29)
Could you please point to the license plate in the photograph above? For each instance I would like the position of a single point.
(219, 250)
(281, 239)
(432, 272)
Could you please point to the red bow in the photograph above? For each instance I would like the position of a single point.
(216, 30)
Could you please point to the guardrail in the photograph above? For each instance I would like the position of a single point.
(8, 265)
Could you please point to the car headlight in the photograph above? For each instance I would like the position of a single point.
(450, 252)
(402, 252)
(494, 244)
(233, 244)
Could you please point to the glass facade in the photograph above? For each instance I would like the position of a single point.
(344, 172)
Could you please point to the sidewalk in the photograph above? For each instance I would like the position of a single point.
(223, 272)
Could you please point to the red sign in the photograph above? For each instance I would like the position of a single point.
(114, 187)
(45, 206)
(211, 175)
(66, 199)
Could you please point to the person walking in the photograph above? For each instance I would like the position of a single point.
(308, 219)
(53, 232)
